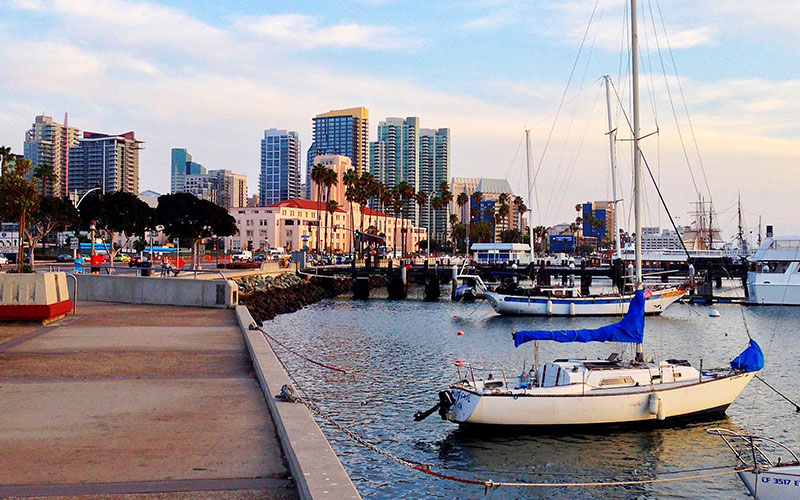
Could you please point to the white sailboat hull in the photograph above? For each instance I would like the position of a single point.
(559, 406)
(580, 306)
(775, 483)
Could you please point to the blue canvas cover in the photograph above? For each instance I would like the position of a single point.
(750, 360)
(630, 329)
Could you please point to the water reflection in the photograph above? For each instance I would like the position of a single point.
(403, 352)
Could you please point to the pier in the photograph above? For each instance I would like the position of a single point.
(158, 401)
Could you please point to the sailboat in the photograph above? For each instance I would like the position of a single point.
(570, 392)
(561, 301)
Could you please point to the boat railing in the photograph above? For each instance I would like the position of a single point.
(470, 370)
(749, 449)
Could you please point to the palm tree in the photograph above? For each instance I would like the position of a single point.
(490, 216)
(518, 204)
(397, 205)
(329, 180)
(453, 222)
(5, 158)
(386, 198)
(330, 207)
(422, 199)
(461, 200)
(407, 193)
(317, 174)
(504, 211)
(43, 172)
(350, 179)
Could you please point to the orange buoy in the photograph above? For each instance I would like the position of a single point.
(459, 362)
(460, 332)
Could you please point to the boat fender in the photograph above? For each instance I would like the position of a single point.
(550, 307)
(572, 308)
(653, 402)
(661, 413)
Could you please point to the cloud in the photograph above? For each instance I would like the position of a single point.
(306, 32)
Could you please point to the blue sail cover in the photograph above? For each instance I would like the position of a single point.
(750, 360)
(630, 329)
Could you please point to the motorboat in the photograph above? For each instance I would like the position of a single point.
(775, 273)
(768, 468)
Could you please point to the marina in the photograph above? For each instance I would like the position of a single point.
(377, 340)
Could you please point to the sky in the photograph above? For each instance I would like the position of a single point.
(212, 76)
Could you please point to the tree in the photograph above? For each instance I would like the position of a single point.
(44, 172)
(350, 179)
(18, 196)
(52, 213)
(5, 158)
(117, 215)
(330, 207)
(329, 179)
(461, 200)
(186, 217)
(407, 193)
(397, 205)
(317, 173)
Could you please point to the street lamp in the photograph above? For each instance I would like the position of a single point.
(84, 195)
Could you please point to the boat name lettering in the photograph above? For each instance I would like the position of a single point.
(462, 396)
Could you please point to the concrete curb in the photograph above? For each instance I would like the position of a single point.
(316, 469)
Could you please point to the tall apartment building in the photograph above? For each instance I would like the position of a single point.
(279, 179)
(434, 167)
(340, 132)
(396, 157)
(182, 165)
(48, 143)
(222, 187)
(108, 161)
(601, 213)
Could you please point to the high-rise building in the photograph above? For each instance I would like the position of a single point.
(396, 157)
(340, 132)
(598, 219)
(280, 167)
(48, 143)
(182, 165)
(434, 167)
(222, 187)
(108, 161)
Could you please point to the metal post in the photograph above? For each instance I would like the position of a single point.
(530, 196)
(637, 167)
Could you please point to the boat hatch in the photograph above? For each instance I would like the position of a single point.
(616, 381)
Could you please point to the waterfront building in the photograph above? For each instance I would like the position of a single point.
(653, 238)
(48, 143)
(339, 164)
(108, 161)
(292, 223)
(181, 166)
(598, 220)
(222, 187)
(279, 179)
(343, 132)
(434, 168)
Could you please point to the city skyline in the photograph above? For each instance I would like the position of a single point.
(484, 69)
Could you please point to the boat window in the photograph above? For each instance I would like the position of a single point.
(616, 381)
(774, 267)
(786, 244)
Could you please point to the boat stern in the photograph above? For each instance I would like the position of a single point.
(464, 404)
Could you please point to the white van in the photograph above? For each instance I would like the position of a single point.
(242, 256)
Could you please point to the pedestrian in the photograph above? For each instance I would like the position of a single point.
(95, 261)
(79, 262)
(164, 266)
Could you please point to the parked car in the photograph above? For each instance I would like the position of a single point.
(242, 256)
(122, 258)
(260, 258)
(64, 257)
(136, 261)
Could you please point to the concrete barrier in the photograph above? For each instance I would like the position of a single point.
(33, 296)
(316, 469)
(162, 291)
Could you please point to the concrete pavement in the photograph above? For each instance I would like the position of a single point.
(135, 401)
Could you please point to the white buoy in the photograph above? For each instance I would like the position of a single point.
(713, 313)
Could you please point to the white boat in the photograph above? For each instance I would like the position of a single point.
(775, 277)
(765, 477)
(573, 392)
(569, 302)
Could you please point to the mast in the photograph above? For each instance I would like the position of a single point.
(741, 234)
(530, 196)
(611, 134)
(637, 167)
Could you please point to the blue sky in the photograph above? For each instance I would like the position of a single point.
(211, 76)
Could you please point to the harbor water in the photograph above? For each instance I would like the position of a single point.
(403, 352)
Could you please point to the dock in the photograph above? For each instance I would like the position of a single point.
(146, 401)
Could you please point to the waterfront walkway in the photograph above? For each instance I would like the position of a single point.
(135, 401)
